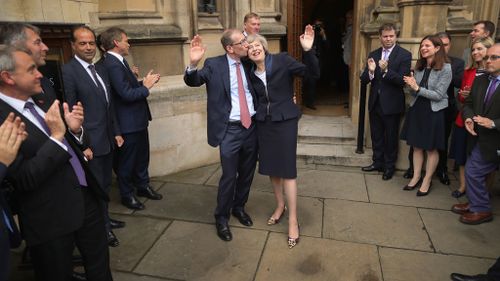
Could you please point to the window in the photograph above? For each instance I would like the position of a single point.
(207, 6)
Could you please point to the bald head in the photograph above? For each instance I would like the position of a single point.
(493, 60)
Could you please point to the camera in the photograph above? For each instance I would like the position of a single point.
(317, 27)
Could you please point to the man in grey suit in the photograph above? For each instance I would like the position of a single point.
(87, 83)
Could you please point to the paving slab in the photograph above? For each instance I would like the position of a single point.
(325, 184)
(318, 259)
(193, 176)
(260, 207)
(136, 238)
(115, 206)
(186, 252)
(260, 182)
(383, 225)
(450, 236)
(391, 192)
(399, 265)
(185, 202)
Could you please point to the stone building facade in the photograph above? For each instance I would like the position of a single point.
(159, 32)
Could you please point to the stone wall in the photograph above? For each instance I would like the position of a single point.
(178, 131)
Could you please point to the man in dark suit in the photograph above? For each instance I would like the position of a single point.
(230, 107)
(57, 194)
(457, 68)
(88, 83)
(385, 69)
(11, 135)
(133, 114)
(482, 120)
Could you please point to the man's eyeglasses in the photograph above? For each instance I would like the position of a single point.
(492, 57)
(243, 41)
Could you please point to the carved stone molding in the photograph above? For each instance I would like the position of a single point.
(379, 16)
(403, 3)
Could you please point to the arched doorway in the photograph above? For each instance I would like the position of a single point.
(330, 95)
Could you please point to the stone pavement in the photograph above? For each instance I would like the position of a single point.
(354, 226)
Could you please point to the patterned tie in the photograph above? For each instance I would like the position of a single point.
(75, 163)
(98, 83)
(491, 90)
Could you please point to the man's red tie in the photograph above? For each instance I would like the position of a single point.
(246, 121)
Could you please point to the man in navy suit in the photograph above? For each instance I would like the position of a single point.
(11, 135)
(133, 114)
(385, 69)
(57, 194)
(482, 120)
(230, 107)
(88, 83)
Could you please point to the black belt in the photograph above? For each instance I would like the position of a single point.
(238, 123)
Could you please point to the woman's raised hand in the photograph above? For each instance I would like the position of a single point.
(197, 50)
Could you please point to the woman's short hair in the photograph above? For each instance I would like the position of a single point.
(257, 37)
(439, 58)
(486, 42)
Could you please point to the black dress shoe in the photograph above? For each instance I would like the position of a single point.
(132, 203)
(388, 175)
(462, 277)
(243, 217)
(372, 168)
(78, 276)
(408, 174)
(112, 240)
(149, 193)
(443, 177)
(223, 231)
(116, 223)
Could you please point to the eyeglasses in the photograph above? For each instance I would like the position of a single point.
(243, 41)
(492, 57)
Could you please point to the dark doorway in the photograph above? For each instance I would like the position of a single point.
(329, 95)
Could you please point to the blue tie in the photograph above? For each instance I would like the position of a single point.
(491, 90)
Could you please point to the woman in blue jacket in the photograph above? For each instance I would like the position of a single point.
(277, 120)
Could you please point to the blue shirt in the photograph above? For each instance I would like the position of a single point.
(235, 100)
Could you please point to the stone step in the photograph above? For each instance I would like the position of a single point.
(333, 154)
(326, 130)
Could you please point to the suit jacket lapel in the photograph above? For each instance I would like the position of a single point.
(226, 77)
(82, 72)
(31, 128)
(492, 99)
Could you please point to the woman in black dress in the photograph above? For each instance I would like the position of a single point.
(424, 124)
(277, 119)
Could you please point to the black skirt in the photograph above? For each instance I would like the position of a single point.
(278, 148)
(424, 128)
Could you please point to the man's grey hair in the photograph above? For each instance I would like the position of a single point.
(14, 34)
(7, 62)
(226, 38)
(109, 36)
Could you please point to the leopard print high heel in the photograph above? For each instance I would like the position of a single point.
(273, 221)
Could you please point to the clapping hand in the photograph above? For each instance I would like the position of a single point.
(197, 50)
(151, 79)
(464, 92)
(12, 133)
(469, 126)
(74, 119)
(307, 39)
(371, 65)
(411, 82)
